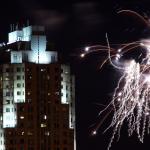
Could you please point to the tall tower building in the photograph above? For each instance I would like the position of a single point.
(37, 93)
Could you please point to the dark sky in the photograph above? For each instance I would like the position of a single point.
(70, 27)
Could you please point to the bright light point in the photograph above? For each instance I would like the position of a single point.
(147, 113)
(118, 99)
(116, 58)
(8, 50)
(119, 50)
(147, 78)
(119, 94)
(94, 132)
(82, 55)
(87, 49)
(118, 55)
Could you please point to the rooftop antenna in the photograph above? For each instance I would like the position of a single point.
(27, 23)
(11, 28)
(17, 26)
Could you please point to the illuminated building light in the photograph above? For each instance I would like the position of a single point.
(21, 117)
(43, 125)
(47, 133)
(29, 133)
(8, 50)
(45, 117)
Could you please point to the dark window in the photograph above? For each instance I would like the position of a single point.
(22, 141)
(7, 109)
(18, 84)
(18, 93)
(7, 93)
(18, 77)
(18, 69)
(7, 70)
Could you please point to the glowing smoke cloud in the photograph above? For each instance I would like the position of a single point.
(131, 98)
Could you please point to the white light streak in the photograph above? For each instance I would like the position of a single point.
(131, 98)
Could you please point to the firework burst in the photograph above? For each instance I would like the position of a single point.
(131, 98)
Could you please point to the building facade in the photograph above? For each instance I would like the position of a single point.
(37, 94)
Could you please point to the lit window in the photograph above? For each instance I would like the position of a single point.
(21, 117)
(45, 117)
(7, 78)
(42, 69)
(47, 133)
(15, 57)
(29, 133)
(57, 93)
(43, 125)
(28, 93)
(48, 77)
(29, 100)
(18, 100)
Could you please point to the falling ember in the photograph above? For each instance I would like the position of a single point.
(82, 55)
(87, 49)
(94, 132)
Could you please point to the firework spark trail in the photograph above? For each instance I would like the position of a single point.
(131, 98)
(136, 15)
(132, 102)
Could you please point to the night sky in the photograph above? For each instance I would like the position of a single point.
(70, 27)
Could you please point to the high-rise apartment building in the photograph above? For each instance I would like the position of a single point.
(37, 93)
